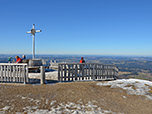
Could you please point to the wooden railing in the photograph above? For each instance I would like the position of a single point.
(13, 73)
(86, 71)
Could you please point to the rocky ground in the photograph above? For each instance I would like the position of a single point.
(72, 97)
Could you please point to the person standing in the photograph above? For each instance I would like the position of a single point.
(9, 59)
(18, 60)
(23, 57)
(82, 60)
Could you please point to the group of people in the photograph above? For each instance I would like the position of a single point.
(18, 59)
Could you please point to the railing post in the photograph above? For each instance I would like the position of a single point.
(42, 75)
(25, 74)
(59, 79)
(27, 78)
(1, 73)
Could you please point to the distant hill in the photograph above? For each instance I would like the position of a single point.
(129, 66)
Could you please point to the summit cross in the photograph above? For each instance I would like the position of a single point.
(33, 31)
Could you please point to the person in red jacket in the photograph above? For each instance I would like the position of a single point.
(82, 60)
(18, 60)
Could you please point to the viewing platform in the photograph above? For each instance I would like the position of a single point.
(19, 73)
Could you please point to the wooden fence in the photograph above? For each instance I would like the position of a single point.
(86, 71)
(13, 73)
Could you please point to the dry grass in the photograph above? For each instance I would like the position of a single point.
(133, 87)
(150, 91)
(19, 96)
(124, 73)
(146, 85)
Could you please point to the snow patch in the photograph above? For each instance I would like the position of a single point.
(132, 86)
(69, 108)
(6, 108)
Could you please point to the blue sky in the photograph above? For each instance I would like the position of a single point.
(94, 27)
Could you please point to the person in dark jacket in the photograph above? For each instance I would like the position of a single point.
(82, 60)
(23, 57)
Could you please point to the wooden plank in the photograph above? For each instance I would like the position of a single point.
(20, 73)
(26, 75)
(1, 73)
(13, 73)
(97, 70)
(100, 71)
(61, 73)
(4, 73)
(103, 72)
(13, 64)
(59, 76)
(98, 76)
(42, 75)
(88, 71)
(65, 72)
(82, 67)
(72, 71)
(69, 70)
(91, 69)
(10, 73)
(7, 77)
(110, 76)
(17, 73)
(107, 71)
(93, 72)
(79, 72)
(84, 75)
(23, 73)
(76, 72)
(111, 73)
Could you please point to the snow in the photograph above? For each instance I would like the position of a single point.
(49, 75)
(66, 108)
(71, 108)
(6, 108)
(132, 86)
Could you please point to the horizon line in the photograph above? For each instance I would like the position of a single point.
(86, 55)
